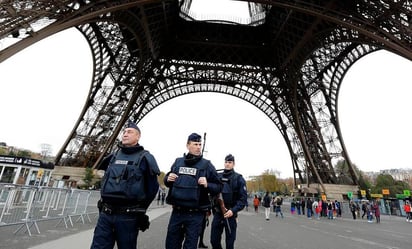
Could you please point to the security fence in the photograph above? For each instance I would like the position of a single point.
(24, 206)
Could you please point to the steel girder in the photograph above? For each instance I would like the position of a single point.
(289, 62)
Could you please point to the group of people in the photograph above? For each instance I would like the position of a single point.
(326, 208)
(275, 202)
(196, 189)
(369, 209)
(315, 207)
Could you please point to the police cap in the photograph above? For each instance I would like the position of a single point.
(131, 124)
(194, 137)
(230, 158)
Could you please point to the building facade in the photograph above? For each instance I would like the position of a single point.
(25, 171)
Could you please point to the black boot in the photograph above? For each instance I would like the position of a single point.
(201, 245)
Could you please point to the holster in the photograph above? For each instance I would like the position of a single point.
(143, 222)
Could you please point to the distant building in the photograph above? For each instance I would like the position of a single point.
(399, 174)
(371, 175)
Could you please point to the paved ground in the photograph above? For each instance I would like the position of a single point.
(48, 232)
(254, 232)
(294, 232)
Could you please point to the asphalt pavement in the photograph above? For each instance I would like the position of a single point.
(254, 232)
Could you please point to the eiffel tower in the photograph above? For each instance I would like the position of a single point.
(287, 58)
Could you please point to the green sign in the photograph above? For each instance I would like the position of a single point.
(401, 196)
(350, 195)
(407, 192)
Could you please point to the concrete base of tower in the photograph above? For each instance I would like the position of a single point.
(338, 192)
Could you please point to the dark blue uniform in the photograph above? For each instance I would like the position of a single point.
(189, 200)
(120, 218)
(234, 195)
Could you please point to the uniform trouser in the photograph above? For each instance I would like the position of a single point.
(202, 230)
(119, 228)
(184, 226)
(218, 224)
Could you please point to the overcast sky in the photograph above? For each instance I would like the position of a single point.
(44, 87)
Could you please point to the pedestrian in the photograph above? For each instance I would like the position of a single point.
(191, 180)
(159, 196)
(309, 211)
(163, 198)
(364, 209)
(277, 205)
(324, 207)
(330, 210)
(315, 207)
(234, 198)
(256, 203)
(293, 206)
(302, 204)
(377, 211)
(320, 207)
(352, 207)
(407, 209)
(122, 211)
(298, 206)
(338, 208)
(266, 205)
(369, 210)
(358, 209)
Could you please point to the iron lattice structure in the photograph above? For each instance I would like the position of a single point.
(287, 58)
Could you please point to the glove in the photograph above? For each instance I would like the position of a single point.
(143, 222)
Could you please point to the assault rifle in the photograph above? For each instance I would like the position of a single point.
(204, 142)
(223, 209)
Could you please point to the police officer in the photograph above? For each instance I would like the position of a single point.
(122, 210)
(234, 197)
(190, 181)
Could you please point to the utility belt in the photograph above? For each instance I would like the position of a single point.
(110, 209)
(188, 210)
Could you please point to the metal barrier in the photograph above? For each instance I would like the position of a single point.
(26, 205)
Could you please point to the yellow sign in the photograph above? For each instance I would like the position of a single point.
(376, 195)
(363, 192)
(385, 191)
(40, 173)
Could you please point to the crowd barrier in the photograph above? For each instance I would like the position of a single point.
(25, 206)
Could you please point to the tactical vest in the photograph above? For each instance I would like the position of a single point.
(186, 189)
(123, 178)
(230, 191)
